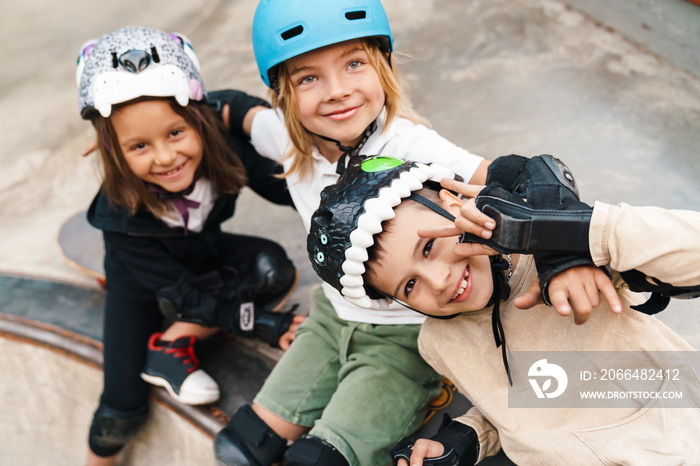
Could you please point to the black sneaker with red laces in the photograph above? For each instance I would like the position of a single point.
(174, 366)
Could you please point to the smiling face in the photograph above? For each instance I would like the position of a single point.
(158, 144)
(425, 273)
(337, 91)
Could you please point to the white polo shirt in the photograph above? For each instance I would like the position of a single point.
(403, 139)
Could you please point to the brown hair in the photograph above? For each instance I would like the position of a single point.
(219, 164)
(396, 104)
(377, 251)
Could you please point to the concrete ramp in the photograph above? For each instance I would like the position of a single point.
(51, 381)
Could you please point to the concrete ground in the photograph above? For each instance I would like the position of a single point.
(494, 76)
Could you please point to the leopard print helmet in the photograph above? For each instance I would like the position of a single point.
(351, 212)
(134, 62)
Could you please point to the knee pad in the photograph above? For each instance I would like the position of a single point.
(111, 428)
(313, 451)
(276, 277)
(248, 441)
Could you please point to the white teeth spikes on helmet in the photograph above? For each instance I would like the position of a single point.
(283, 29)
(135, 62)
(351, 212)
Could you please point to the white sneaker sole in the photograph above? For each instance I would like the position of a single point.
(200, 398)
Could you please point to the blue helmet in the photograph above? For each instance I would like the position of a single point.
(283, 29)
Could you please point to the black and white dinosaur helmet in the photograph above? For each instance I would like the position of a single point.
(135, 62)
(351, 212)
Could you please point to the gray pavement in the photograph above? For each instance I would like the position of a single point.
(51, 380)
(494, 76)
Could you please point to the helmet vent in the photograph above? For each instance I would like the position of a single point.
(295, 31)
(353, 15)
(154, 54)
(115, 60)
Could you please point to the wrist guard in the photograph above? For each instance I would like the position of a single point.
(239, 103)
(535, 205)
(519, 174)
(460, 443)
(558, 239)
(524, 229)
(191, 299)
(270, 326)
(215, 301)
(550, 265)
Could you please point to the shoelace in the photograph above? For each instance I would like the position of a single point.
(350, 151)
(186, 352)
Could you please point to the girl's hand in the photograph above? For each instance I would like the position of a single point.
(423, 448)
(226, 115)
(89, 149)
(247, 120)
(288, 336)
(577, 289)
(469, 220)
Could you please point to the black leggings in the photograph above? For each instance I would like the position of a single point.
(128, 324)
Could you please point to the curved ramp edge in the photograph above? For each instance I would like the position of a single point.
(51, 381)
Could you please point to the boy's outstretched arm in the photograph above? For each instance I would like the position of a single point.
(576, 289)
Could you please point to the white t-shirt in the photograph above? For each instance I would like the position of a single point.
(403, 139)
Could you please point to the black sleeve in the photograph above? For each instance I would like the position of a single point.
(261, 172)
(144, 260)
(239, 104)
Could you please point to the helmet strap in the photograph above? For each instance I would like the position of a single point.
(349, 150)
(431, 205)
(501, 290)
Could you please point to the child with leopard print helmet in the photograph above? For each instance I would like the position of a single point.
(171, 176)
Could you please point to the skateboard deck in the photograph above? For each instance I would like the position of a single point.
(82, 246)
(449, 402)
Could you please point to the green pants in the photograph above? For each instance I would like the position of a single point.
(361, 387)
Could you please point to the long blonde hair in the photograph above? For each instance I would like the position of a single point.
(219, 164)
(396, 104)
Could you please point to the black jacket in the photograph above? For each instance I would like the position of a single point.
(144, 255)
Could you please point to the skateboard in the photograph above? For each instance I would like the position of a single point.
(449, 402)
(453, 404)
(82, 246)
